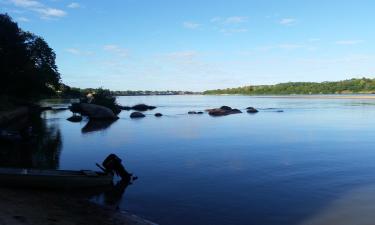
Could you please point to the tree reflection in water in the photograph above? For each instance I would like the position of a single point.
(40, 146)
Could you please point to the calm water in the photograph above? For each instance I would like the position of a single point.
(314, 163)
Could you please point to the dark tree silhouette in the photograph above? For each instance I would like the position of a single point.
(27, 64)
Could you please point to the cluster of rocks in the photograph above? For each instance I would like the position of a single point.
(223, 111)
(97, 112)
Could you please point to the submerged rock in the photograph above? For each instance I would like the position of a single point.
(158, 114)
(137, 115)
(192, 112)
(75, 118)
(143, 107)
(199, 112)
(252, 110)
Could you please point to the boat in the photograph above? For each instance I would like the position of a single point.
(65, 179)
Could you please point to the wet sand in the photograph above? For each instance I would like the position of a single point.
(33, 207)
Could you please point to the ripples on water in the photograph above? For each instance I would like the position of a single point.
(311, 164)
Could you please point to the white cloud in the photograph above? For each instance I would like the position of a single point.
(26, 3)
(235, 19)
(73, 51)
(191, 25)
(74, 5)
(76, 51)
(230, 25)
(50, 12)
(229, 20)
(287, 21)
(23, 19)
(44, 11)
(349, 42)
(116, 49)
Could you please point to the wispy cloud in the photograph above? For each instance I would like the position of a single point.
(235, 19)
(74, 5)
(44, 11)
(122, 52)
(230, 25)
(77, 51)
(349, 42)
(185, 55)
(229, 20)
(287, 21)
(190, 25)
(23, 19)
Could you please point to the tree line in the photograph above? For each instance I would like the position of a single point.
(27, 64)
(351, 86)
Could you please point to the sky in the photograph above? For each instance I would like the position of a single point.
(202, 44)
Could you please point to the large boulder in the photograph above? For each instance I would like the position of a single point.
(137, 115)
(94, 112)
(143, 107)
(158, 114)
(223, 111)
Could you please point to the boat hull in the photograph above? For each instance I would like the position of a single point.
(53, 178)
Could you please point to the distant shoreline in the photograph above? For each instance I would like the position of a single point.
(325, 96)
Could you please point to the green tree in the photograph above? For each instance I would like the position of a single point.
(27, 64)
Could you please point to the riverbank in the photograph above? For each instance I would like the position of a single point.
(34, 207)
(320, 96)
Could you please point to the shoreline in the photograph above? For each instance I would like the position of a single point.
(46, 207)
(327, 96)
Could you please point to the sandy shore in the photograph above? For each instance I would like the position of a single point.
(32, 207)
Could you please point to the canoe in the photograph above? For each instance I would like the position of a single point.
(37, 178)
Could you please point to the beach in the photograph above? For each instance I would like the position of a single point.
(36, 207)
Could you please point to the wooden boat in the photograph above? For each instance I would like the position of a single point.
(37, 178)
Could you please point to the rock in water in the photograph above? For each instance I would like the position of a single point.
(95, 112)
(192, 112)
(251, 110)
(137, 115)
(223, 111)
(158, 114)
(143, 107)
(127, 108)
(224, 107)
(75, 118)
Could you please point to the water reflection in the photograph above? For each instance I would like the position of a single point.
(39, 145)
(98, 125)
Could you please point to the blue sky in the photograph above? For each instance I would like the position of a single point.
(202, 44)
